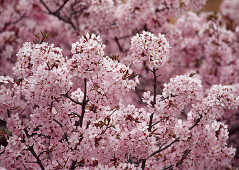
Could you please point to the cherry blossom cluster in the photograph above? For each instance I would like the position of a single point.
(202, 112)
(87, 55)
(179, 92)
(149, 48)
(108, 79)
(38, 67)
(213, 106)
(140, 84)
(6, 95)
(92, 128)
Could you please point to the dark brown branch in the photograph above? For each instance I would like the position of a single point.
(152, 114)
(195, 123)
(118, 44)
(30, 148)
(44, 4)
(57, 14)
(58, 122)
(60, 8)
(174, 141)
(73, 165)
(186, 152)
(154, 100)
(80, 122)
(84, 102)
(156, 123)
(143, 161)
(12, 23)
(74, 101)
(168, 167)
(150, 122)
(161, 149)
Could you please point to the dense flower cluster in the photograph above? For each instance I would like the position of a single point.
(38, 67)
(6, 96)
(118, 84)
(148, 48)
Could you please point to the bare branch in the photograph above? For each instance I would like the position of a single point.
(186, 152)
(118, 44)
(60, 8)
(58, 122)
(57, 13)
(80, 122)
(12, 23)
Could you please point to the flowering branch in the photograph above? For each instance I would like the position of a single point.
(186, 152)
(84, 102)
(154, 101)
(165, 147)
(170, 144)
(74, 101)
(195, 123)
(80, 122)
(30, 148)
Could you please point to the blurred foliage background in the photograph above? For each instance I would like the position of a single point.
(212, 5)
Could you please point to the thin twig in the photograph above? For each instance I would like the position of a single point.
(161, 149)
(74, 101)
(118, 44)
(186, 152)
(59, 9)
(168, 167)
(57, 14)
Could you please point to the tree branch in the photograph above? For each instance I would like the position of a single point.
(30, 148)
(12, 23)
(84, 102)
(118, 44)
(154, 101)
(57, 13)
(74, 101)
(161, 149)
(73, 165)
(59, 9)
(195, 123)
(186, 152)
(80, 122)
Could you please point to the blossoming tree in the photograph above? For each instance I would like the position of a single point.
(150, 87)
